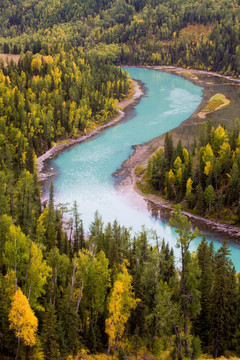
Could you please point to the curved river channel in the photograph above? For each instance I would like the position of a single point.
(84, 171)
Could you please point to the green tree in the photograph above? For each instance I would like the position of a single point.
(169, 315)
(5, 222)
(37, 274)
(209, 196)
(189, 273)
(16, 253)
(203, 321)
(49, 334)
(168, 149)
(223, 303)
(78, 235)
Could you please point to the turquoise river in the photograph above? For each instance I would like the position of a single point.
(84, 171)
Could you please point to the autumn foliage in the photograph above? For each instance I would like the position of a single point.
(22, 319)
(121, 302)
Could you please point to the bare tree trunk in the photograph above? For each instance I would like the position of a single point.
(30, 289)
(16, 357)
(116, 343)
(73, 276)
(71, 229)
(109, 347)
(79, 296)
(15, 267)
(27, 272)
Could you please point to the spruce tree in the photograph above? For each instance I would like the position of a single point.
(223, 303)
(6, 48)
(49, 334)
(202, 323)
(168, 150)
(189, 274)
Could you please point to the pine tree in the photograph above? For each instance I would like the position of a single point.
(189, 273)
(168, 149)
(166, 262)
(70, 323)
(205, 261)
(6, 48)
(223, 303)
(5, 222)
(169, 314)
(200, 206)
(51, 232)
(77, 229)
(49, 334)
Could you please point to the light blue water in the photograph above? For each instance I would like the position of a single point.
(84, 172)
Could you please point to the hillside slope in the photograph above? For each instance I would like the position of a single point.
(188, 33)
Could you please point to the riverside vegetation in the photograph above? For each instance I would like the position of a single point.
(62, 297)
(207, 177)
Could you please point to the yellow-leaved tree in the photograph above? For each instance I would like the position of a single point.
(22, 320)
(189, 189)
(121, 302)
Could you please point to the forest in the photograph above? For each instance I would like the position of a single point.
(206, 178)
(204, 35)
(112, 295)
(44, 99)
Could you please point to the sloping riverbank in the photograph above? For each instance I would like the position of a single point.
(41, 161)
(212, 84)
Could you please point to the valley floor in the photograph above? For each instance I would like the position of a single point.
(212, 83)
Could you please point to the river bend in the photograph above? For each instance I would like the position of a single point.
(84, 171)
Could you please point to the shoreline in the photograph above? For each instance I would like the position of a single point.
(56, 149)
(141, 154)
(165, 209)
(156, 205)
(170, 69)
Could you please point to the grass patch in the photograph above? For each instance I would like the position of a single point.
(189, 74)
(139, 170)
(212, 105)
(229, 216)
(147, 188)
(10, 57)
(61, 141)
(217, 101)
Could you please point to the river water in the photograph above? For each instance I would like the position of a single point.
(84, 171)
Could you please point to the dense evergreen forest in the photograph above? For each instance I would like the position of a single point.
(67, 296)
(112, 291)
(206, 178)
(201, 34)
